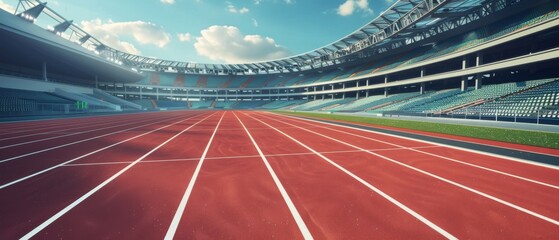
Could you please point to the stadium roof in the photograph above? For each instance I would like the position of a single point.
(403, 23)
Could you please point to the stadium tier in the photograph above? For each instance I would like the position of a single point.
(439, 65)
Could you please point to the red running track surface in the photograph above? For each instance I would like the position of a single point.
(258, 175)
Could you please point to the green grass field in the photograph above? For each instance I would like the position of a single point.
(541, 139)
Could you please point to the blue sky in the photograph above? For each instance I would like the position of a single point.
(217, 31)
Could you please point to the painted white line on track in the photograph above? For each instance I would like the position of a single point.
(94, 190)
(300, 223)
(67, 135)
(93, 152)
(182, 205)
(496, 199)
(64, 130)
(446, 158)
(236, 157)
(85, 140)
(368, 185)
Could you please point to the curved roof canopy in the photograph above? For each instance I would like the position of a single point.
(403, 23)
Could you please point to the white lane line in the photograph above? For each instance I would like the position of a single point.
(91, 153)
(300, 223)
(443, 157)
(85, 140)
(182, 205)
(433, 143)
(370, 186)
(66, 135)
(524, 210)
(233, 157)
(94, 190)
(63, 130)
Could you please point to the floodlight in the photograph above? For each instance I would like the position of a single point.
(62, 27)
(32, 13)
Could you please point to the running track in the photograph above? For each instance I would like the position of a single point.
(258, 175)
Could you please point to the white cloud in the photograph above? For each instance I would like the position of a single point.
(228, 44)
(346, 8)
(232, 9)
(7, 7)
(350, 6)
(110, 33)
(168, 1)
(254, 22)
(290, 1)
(184, 37)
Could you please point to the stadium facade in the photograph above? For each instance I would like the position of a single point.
(470, 57)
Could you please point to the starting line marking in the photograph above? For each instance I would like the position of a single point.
(240, 156)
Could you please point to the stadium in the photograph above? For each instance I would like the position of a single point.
(438, 119)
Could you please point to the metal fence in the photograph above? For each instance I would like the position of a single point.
(542, 116)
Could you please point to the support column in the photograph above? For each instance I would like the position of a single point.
(386, 89)
(367, 92)
(479, 59)
(422, 88)
(464, 84)
(156, 93)
(96, 82)
(479, 81)
(357, 95)
(45, 72)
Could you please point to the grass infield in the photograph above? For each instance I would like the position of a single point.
(533, 138)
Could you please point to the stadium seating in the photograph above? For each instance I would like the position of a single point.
(320, 104)
(543, 98)
(371, 102)
(279, 104)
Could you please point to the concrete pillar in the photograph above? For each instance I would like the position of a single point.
(422, 72)
(479, 59)
(357, 95)
(367, 92)
(464, 84)
(385, 92)
(156, 93)
(45, 72)
(464, 62)
(479, 81)
(422, 88)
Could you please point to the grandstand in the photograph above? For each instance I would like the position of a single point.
(470, 64)
(395, 131)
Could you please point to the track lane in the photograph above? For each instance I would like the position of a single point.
(518, 221)
(26, 127)
(34, 201)
(235, 198)
(65, 129)
(175, 130)
(67, 138)
(139, 203)
(13, 170)
(332, 203)
(530, 170)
